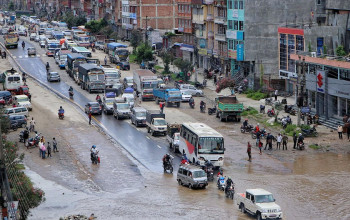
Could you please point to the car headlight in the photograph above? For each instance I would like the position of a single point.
(220, 159)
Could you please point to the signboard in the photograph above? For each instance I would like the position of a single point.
(231, 34)
(305, 110)
(235, 13)
(232, 54)
(320, 80)
(202, 44)
(202, 51)
(181, 29)
(240, 52)
(287, 75)
(132, 15)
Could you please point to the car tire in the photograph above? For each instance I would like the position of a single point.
(198, 94)
(242, 208)
(179, 182)
(258, 216)
(190, 186)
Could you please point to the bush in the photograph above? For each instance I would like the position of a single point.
(251, 111)
(305, 127)
(158, 67)
(315, 146)
(255, 95)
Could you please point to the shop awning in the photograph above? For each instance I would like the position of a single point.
(187, 47)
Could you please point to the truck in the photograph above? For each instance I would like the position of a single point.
(260, 203)
(11, 39)
(112, 75)
(228, 107)
(173, 136)
(120, 54)
(121, 109)
(170, 96)
(144, 83)
(91, 77)
(73, 61)
(155, 122)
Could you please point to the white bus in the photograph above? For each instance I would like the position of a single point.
(200, 142)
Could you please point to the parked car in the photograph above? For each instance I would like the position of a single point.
(23, 101)
(53, 76)
(191, 89)
(17, 111)
(138, 116)
(32, 36)
(125, 66)
(31, 51)
(21, 120)
(94, 107)
(186, 95)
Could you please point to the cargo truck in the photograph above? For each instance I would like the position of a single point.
(155, 122)
(170, 96)
(229, 108)
(91, 77)
(11, 40)
(73, 61)
(112, 75)
(144, 83)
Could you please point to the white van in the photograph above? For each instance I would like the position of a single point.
(23, 101)
(17, 111)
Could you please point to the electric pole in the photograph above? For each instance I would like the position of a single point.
(146, 36)
(301, 87)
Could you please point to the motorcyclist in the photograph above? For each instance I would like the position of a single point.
(229, 183)
(202, 105)
(191, 101)
(166, 159)
(257, 128)
(245, 123)
(60, 111)
(300, 139)
(70, 91)
(47, 65)
(23, 44)
(184, 159)
(288, 119)
(93, 151)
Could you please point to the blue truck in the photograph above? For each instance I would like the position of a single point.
(170, 96)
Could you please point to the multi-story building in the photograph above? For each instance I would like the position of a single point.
(198, 15)
(220, 60)
(184, 26)
(209, 26)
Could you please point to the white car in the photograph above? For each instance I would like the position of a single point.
(186, 95)
(191, 89)
(23, 101)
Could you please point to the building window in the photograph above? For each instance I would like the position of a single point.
(240, 4)
(230, 24)
(331, 72)
(241, 25)
(318, 2)
(230, 44)
(221, 29)
(235, 5)
(230, 4)
(300, 43)
(345, 74)
(235, 25)
(283, 52)
(291, 50)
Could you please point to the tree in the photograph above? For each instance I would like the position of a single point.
(135, 39)
(340, 51)
(11, 6)
(185, 67)
(144, 53)
(167, 57)
(96, 26)
(226, 83)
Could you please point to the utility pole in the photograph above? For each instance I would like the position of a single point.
(146, 36)
(301, 88)
(298, 93)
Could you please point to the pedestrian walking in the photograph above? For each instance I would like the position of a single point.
(279, 140)
(54, 144)
(48, 150)
(32, 125)
(90, 117)
(105, 60)
(340, 131)
(284, 142)
(3, 55)
(161, 106)
(30, 97)
(260, 146)
(276, 94)
(257, 138)
(267, 141)
(295, 138)
(249, 152)
(215, 79)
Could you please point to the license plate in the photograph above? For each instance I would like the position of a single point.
(272, 215)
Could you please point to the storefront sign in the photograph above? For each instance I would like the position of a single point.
(240, 52)
(202, 43)
(320, 80)
(202, 51)
(287, 75)
(231, 34)
(186, 47)
(305, 110)
(232, 54)
(181, 29)
(235, 13)
(132, 15)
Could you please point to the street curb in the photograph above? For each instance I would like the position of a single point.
(96, 124)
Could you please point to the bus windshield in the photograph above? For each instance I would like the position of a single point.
(211, 145)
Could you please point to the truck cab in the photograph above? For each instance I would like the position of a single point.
(260, 203)
(173, 136)
(138, 116)
(156, 123)
(121, 109)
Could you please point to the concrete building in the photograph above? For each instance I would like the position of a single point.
(198, 15)
(220, 59)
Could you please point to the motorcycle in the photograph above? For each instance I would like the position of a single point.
(71, 94)
(21, 136)
(263, 134)
(191, 104)
(202, 108)
(199, 85)
(268, 101)
(221, 183)
(309, 132)
(14, 126)
(301, 146)
(209, 169)
(168, 167)
(204, 83)
(33, 142)
(270, 113)
(262, 109)
(61, 115)
(285, 121)
(248, 128)
(230, 192)
(95, 158)
(212, 110)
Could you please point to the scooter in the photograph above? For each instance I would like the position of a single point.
(248, 129)
(71, 94)
(95, 158)
(202, 108)
(33, 142)
(309, 132)
(168, 167)
(301, 146)
(212, 110)
(191, 104)
(268, 101)
(270, 113)
(61, 116)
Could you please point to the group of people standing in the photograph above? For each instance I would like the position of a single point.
(46, 149)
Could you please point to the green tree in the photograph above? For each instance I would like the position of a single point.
(11, 6)
(167, 58)
(340, 51)
(185, 67)
(144, 53)
(135, 39)
(96, 26)
(325, 49)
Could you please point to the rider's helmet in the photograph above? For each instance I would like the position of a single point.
(299, 134)
(94, 146)
(60, 106)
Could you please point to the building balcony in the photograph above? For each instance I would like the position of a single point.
(184, 1)
(210, 17)
(125, 14)
(220, 37)
(210, 34)
(125, 2)
(219, 20)
(208, 2)
(184, 15)
(132, 3)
